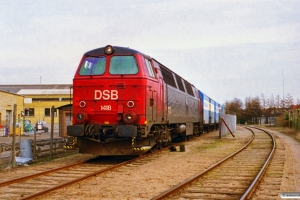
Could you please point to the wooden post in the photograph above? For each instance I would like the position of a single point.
(52, 127)
(220, 127)
(228, 128)
(289, 119)
(13, 147)
(34, 144)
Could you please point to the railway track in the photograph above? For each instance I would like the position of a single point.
(234, 177)
(129, 173)
(270, 185)
(39, 184)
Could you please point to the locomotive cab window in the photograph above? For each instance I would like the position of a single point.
(123, 65)
(150, 68)
(168, 76)
(179, 83)
(93, 66)
(188, 88)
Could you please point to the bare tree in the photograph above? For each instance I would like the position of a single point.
(253, 109)
(278, 101)
(289, 101)
(235, 107)
(263, 101)
(272, 102)
(298, 101)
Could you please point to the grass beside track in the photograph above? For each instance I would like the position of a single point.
(293, 133)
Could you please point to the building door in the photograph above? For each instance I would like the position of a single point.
(8, 122)
(66, 120)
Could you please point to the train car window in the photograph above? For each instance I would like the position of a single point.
(168, 76)
(188, 88)
(93, 66)
(150, 68)
(123, 65)
(179, 83)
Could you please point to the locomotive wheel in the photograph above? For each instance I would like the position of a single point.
(162, 136)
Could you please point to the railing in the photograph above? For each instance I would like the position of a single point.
(39, 147)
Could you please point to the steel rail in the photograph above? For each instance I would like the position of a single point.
(86, 176)
(92, 174)
(24, 178)
(254, 184)
(183, 184)
(20, 179)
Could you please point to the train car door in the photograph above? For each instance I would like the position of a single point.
(152, 93)
(161, 91)
(151, 104)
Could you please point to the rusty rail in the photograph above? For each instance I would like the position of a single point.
(245, 195)
(254, 184)
(183, 184)
(75, 180)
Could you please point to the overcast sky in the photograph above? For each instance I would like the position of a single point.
(226, 48)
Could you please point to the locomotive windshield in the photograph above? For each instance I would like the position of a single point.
(93, 66)
(123, 65)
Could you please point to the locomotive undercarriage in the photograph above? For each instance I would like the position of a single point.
(107, 133)
(165, 134)
(104, 139)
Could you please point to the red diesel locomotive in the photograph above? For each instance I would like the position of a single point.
(125, 103)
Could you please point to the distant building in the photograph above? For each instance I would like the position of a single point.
(8, 100)
(37, 100)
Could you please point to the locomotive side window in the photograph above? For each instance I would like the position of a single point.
(93, 66)
(179, 83)
(150, 68)
(123, 65)
(168, 76)
(188, 88)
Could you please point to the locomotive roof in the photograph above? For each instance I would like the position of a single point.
(117, 50)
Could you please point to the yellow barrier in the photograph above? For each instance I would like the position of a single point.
(19, 130)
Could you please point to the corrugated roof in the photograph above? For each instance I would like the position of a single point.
(44, 91)
(16, 88)
(10, 93)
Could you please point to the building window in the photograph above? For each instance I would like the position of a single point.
(48, 112)
(29, 112)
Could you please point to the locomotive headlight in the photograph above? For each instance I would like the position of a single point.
(129, 117)
(109, 49)
(81, 117)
